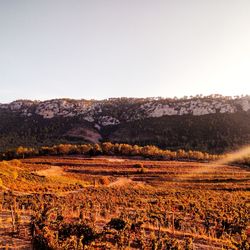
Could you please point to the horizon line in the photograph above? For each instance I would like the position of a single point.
(185, 97)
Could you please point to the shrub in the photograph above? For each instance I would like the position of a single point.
(117, 224)
(138, 165)
(104, 180)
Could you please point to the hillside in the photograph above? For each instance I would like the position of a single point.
(214, 123)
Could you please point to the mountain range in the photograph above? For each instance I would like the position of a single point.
(212, 123)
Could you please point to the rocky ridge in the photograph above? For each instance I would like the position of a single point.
(116, 110)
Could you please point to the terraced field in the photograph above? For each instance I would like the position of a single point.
(152, 173)
(160, 203)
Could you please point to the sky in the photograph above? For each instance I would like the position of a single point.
(96, 49)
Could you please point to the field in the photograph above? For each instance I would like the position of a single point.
(124, 203)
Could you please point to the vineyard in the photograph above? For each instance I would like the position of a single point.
(76, 202)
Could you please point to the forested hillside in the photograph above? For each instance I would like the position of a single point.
(213, 124)
(212, 133)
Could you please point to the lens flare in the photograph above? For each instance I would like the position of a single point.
(234, 156)
(213, 166)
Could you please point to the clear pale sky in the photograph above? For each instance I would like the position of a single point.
(112, 48)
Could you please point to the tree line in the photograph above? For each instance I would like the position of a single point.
(109, 149)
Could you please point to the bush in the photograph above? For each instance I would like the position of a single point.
(104, 180)
(138, 165)
(117, 224)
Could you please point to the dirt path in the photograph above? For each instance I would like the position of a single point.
(120, 182)
(52, 171)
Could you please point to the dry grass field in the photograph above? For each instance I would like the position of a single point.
(128, 203)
